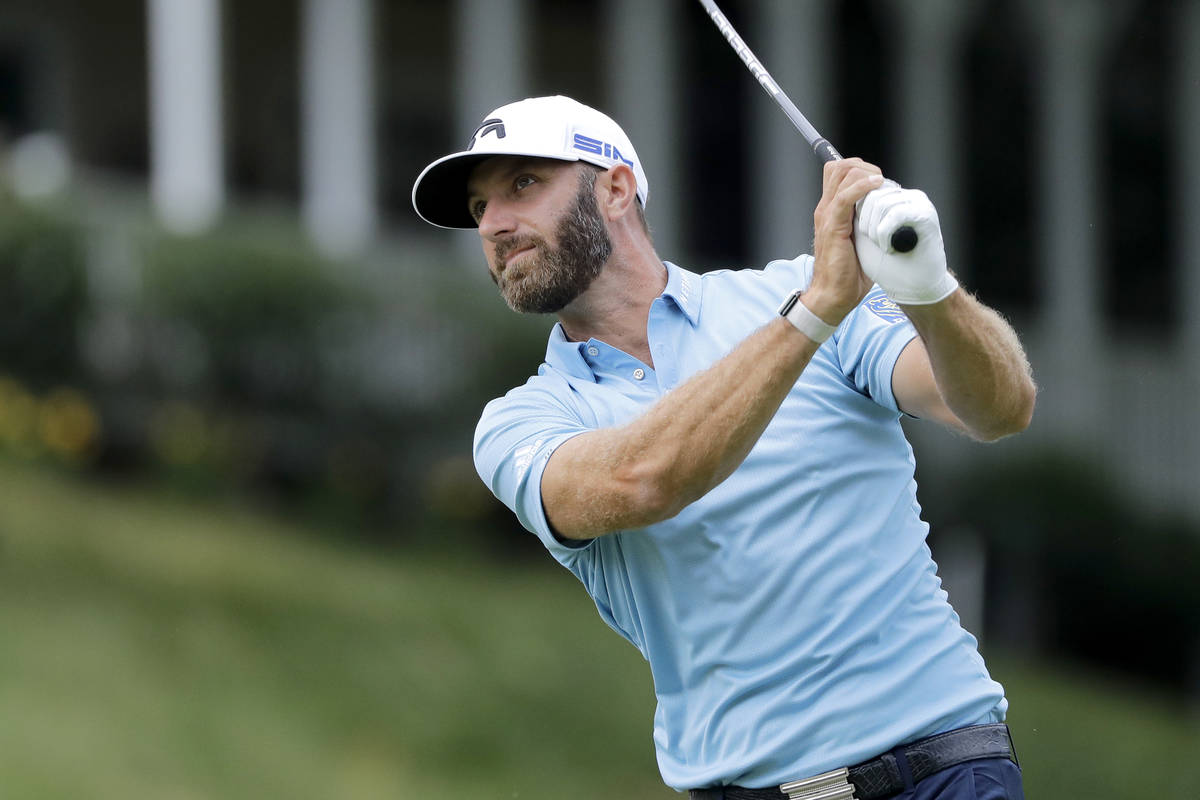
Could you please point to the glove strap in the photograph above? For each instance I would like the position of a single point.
(945, 286)
(805, 320)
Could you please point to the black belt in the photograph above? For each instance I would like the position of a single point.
(880, 777)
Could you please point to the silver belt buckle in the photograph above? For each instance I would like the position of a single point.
(833, 785)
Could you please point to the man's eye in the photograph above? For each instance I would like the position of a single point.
(523, 181)
(477, 210)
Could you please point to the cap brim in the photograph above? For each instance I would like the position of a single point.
(440, 192)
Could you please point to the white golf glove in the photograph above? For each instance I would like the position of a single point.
(918, 277)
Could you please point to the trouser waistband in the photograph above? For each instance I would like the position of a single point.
(881, 776)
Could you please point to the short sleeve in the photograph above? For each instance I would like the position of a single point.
(869, 342)
(514, 440)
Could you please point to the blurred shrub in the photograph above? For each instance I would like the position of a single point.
(247, 378)
(1079, 571)
(63, 424)
(43, 293)
(69, 425)
(246, 315)
(242, 359)
(18, 417)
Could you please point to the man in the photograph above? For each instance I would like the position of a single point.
(732, 484)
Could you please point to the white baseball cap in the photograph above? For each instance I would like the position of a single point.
(547, 127)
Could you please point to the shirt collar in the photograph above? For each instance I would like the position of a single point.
(683, 288)
(567, 356)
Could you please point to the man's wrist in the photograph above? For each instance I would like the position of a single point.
(804, 320)
(950, 304)
(935, 292)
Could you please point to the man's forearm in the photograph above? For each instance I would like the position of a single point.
(683, 446)
(978, 363)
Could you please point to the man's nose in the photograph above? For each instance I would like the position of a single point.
(496, 222)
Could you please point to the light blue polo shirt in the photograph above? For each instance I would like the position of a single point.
(792, 617)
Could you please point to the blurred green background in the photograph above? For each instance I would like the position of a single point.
(243, 548)
(157, 646)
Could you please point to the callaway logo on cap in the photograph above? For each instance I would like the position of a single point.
(546, 127)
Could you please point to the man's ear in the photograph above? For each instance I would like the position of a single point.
(621, 195)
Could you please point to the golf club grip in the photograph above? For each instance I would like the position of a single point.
(825, 151)
(904, 238)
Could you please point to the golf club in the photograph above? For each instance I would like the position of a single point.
(904, 238)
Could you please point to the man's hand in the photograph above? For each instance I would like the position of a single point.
(838, 282)
(918, 277)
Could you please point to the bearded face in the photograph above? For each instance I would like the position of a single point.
(547, 280)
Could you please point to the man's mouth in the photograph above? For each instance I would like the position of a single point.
(515, 254)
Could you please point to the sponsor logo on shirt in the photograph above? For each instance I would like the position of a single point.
(523, 456)
(886, 310)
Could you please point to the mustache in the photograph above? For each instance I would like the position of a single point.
(509, 246)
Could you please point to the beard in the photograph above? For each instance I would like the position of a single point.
(552, 277)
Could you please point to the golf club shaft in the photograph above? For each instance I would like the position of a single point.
(820, 145)
(904, 238)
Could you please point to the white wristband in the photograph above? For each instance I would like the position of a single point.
(805, 320)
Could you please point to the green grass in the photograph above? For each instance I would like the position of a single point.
(156, 648)
(1080, 734)
(152, 648)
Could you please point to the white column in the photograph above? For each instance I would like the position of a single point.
(493, 59)
(1072, 280)
(1073, 37)
(337, 127)
(643, 73)
(792, 39)
(929, 110)
(1186, 187)
(187, 164)
(492, 47)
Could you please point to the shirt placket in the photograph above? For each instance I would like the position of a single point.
(608, 361)
(665, 362)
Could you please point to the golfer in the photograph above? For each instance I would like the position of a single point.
(719, 459)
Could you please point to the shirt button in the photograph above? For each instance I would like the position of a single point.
(593, 351)
(639, 373)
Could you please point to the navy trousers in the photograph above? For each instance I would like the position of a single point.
(985, 779)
